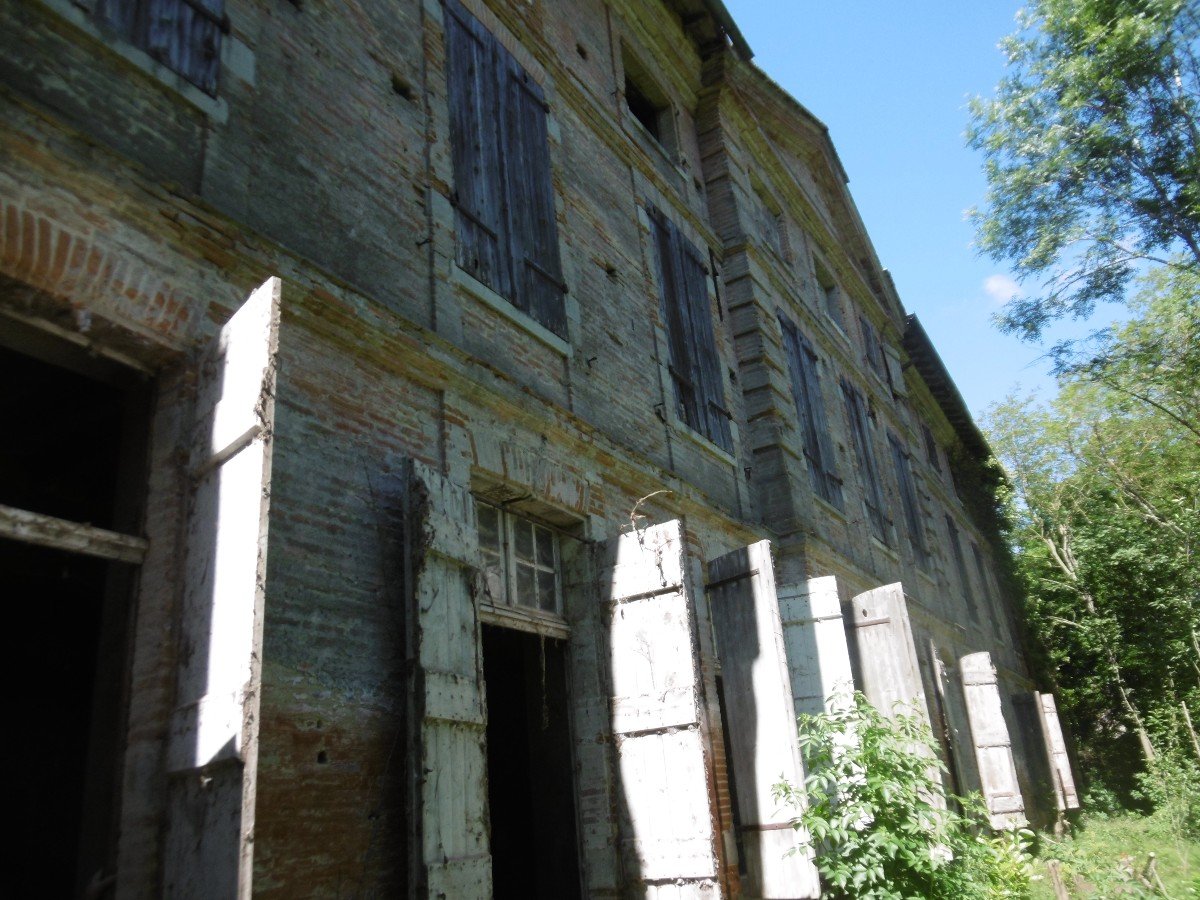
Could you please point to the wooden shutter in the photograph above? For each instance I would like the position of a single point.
(214, 726)
(810, 410)
(909, 500)
(533, 228)
(449, 831)
(960, 564)
(185, 35)
(856, 412)
(761, 720)
(953, 704)
(667, 834)
(883, 653)
(895, 370)
(473, 80)
(815, 638)
(993, 746)
(1065, 794)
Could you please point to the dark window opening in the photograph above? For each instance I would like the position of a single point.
(72, 451)
(531, 790)
(645, 110)
(183, 35)
(931, 449)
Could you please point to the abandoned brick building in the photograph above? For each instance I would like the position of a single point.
(448, 442)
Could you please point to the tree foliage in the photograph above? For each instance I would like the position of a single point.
(1106, 524)
(1092, 153)
(872, 805)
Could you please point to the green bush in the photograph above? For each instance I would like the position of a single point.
(872, 803)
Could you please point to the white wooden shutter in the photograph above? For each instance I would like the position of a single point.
(815, 638)
(667, 833)
(212, 745)
(882, 650)
(953, 704)
(450, 784)
(993, 747)
(1056, 748)
(761, 721)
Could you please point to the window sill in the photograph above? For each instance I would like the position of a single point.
(885, 549)
(652, 146)
(823, 504)
(494, 301)
(522, 619)
(214, 107)
(681, 427)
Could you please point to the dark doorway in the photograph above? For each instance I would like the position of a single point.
(531, 792)
(74, 433)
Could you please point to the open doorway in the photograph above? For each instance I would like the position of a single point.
(75, 432)
(531, 791)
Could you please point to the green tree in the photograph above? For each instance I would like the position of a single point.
(1092, 153)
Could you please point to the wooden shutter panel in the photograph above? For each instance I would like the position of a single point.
(667, 834)
(449, 831)
(895, 370)
(473, 79)
(993, 746)
(810, 409)
(761, 720)
(833, 483)
(883, 652)
(953, 703)
(1056, 748)
(678, 325)
(856, 411)
(214, 725)
(185, 35)
(533, 228)
(815, 638)
(705, 360)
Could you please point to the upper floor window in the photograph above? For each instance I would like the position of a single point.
(521, 561)
(183, 35)
(687, 314)
(810, 411)
(829, 294)
(505, 227)
(872, 348)
(647, 102)
(860, 430)
(910, 501)
(931, 448)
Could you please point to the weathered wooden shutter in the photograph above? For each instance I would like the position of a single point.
(1056, 748)
(183, 35)
(533, 228)
(667, 835)
(993, 746)
(962, 763)
(687, 313)
(815, 638)
(212, 746)
(810, 409)
(960, 564)
(856, 412)
(871, 346)
(909, 501)
(883, 653)
(476, 134)
(448, 787)
(761, 721)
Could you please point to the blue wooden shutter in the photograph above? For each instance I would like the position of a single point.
(183, 35)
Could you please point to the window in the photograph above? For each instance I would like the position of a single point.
(183, 35)
(694, 364)
(521, 562)
(961, 566)
(505, 228)
(872, 349)
(931, 449)
(909, 500)
(829, 294)
(856, 412)
(646, 102)
(768, 220)
(810, 412)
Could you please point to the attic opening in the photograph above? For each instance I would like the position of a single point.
(647, 102)
(531, 792)
(75, 429)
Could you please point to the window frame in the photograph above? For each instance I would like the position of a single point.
(508, 559)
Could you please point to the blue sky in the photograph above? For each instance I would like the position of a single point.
(891, 80)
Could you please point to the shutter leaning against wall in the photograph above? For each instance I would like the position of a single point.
(817, 653)
(533, 228)
(472, 64)
(1056, 748)
(993, 745)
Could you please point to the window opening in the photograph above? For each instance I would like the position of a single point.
(810, 411)
(531, 792)
(872, 348)
(908, 499)
(183, 35)
(521, 561)
(646, 102)
(506, 231)
(931, 449)
(856, 412)
(829, 295)
(687, 313)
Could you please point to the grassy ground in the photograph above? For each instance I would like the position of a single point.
(1103, 855)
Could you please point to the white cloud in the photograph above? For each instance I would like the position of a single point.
(1001, 289)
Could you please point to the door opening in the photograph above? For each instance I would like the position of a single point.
(72, 451)
(531, 791)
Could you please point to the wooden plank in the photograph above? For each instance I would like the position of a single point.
(73, 537)
(761, 719)
(993, 746)
(815, 640)
(883, 652)
(1066, 795)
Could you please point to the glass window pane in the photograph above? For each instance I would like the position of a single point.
(524, 532)
(526, 595)
(547, 592)
(545, 548)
